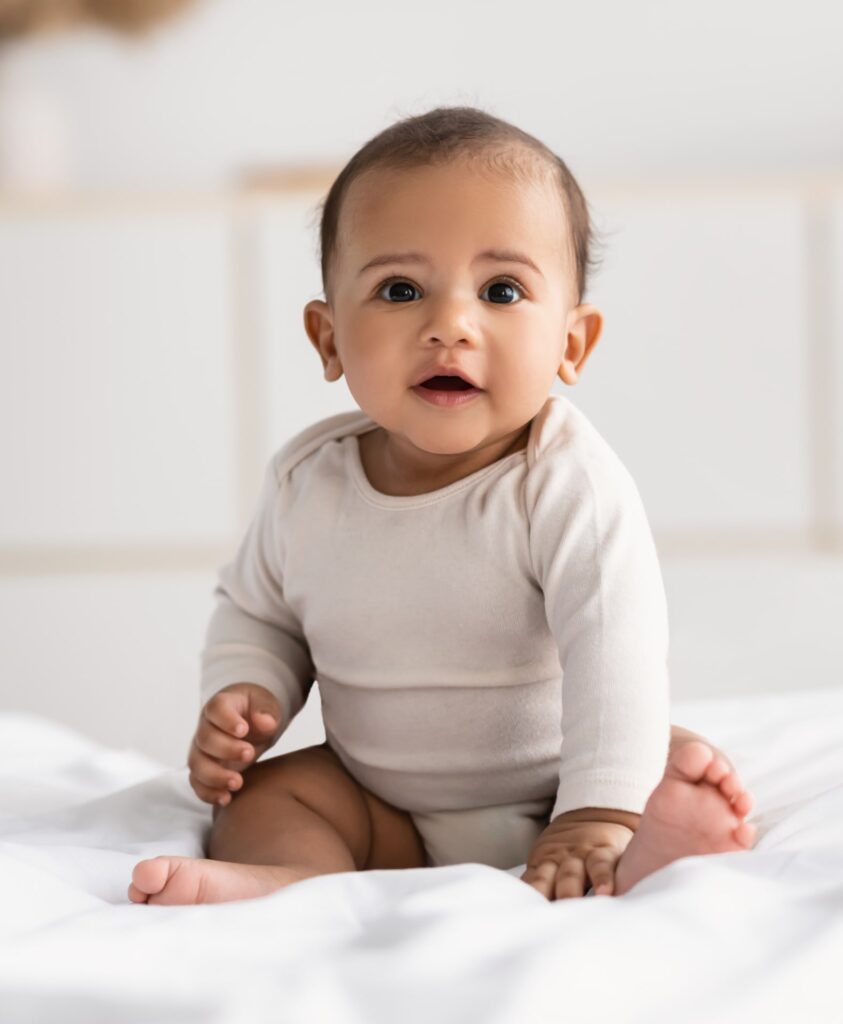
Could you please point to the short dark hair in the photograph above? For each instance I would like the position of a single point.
(447, 133)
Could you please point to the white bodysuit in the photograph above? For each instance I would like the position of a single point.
(502, 640)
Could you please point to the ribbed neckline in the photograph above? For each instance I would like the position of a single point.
(354, 462)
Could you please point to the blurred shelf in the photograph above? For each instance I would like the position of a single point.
(267, 185)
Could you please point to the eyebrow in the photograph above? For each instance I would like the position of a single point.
(499, 255)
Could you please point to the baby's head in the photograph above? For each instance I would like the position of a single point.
(408, 233)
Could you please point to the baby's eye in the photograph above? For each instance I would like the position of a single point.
(400, 289)
(507, 286)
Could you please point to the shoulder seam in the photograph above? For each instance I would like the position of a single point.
(308, 440)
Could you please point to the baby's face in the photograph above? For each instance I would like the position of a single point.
(512, 327)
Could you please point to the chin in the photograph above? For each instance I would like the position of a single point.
(455, 444)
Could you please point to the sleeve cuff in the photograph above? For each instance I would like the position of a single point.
(599, 789)
(285, 690)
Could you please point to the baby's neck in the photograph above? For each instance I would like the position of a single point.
(388, 473)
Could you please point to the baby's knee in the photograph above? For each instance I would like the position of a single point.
(303, 773)
(316, 778)
(277, 775)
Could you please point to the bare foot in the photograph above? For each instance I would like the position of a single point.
(194, 880)
(698, 807)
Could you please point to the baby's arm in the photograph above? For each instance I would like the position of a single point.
(254, 635)
(596, 562)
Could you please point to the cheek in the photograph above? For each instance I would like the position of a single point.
(523, 369)
(372, 330)
(519, 353)
(363, 337)
(375, 358)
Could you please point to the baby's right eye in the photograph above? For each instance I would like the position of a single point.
(397, 283)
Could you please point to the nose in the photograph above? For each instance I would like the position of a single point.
(451, 321)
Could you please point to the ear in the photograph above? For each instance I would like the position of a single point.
(585, 325)
(319, 324)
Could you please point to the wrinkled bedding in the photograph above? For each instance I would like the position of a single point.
(748, 936)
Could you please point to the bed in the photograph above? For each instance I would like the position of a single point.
(748, 936)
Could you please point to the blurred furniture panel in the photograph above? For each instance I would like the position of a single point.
(116, 405)
(700, 381)
(753, 623)
(831, 290)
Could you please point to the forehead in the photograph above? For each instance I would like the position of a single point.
(449, 210)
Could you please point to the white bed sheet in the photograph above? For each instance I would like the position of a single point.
(749, 936)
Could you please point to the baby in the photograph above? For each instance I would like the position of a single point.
(464, 564)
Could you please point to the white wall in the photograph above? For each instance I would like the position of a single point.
(152, 354)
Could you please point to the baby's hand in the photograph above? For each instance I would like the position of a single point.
(569, 856)
(235, 727)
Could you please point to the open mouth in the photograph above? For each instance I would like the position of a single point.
(447, 384)
(447, 392)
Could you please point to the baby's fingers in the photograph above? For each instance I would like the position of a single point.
(570, 879)
(601, 870)
(209, 774)
(209, 795)
(222, 712)
(218, 744)
(541, 876)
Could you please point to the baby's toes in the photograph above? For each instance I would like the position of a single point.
(745, 834)
(690, 761)
(729, 785)
(149, 877)
(732, 788)
(717, 773)
(743, 803)
(136, 895)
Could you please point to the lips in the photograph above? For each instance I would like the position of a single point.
(453, 399)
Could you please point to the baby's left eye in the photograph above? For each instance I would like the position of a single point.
(507, 286)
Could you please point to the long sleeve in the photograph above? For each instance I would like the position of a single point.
(596, 562)
(253, 636)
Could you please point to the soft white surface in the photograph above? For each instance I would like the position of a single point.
(734, 937)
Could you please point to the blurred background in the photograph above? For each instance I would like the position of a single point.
(161, 162)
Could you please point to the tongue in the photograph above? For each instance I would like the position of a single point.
(446, 384)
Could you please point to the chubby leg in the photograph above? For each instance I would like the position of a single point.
(296, 816)
(698, 808)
